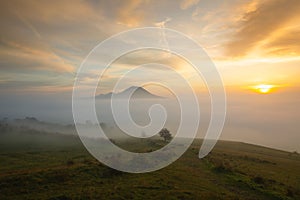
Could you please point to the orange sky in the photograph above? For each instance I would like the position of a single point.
(250, 42)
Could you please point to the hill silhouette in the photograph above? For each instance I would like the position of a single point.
(133, 92)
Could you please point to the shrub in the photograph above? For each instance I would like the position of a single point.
(70, 162)
(259, 180)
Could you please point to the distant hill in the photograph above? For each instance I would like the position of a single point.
(137, 93)
(31, 123)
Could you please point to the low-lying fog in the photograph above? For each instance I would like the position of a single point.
(270, 120)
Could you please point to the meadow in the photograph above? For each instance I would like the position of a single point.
(40, 165)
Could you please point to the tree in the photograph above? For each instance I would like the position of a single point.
(165, 133)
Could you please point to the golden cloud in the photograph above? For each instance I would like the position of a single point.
(185, 4)
(129, 14)
(262, 25)
(21, 56)
(141, 57)
(288, 44)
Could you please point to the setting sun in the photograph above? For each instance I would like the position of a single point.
(262, 88)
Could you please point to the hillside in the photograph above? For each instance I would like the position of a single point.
(33, 166)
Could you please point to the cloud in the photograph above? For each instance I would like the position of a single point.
(162, 24)
(52, 38)
(15, 55)
(39, 35)
(258, 26)
(129, 14)
(288, 44)
(185, 4)
(41, 86)
(141, 57)
(52, 13)
(16, 82)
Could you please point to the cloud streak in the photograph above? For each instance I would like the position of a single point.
(257, 27)
(129, 14)
(24, 57)
(185, 4)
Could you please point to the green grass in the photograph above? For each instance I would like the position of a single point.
(43, 166)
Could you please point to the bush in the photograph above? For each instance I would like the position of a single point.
(70, 162)
(259, 180)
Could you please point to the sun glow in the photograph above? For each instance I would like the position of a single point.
(263, 89)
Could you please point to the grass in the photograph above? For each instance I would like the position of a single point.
(32, 166)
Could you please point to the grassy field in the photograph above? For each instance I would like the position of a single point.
(36, 165)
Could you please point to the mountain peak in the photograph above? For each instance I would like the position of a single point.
(134, 88)
(136, 92)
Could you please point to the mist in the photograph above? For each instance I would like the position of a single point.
(264, 119)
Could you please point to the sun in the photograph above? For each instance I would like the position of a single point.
(263, 89)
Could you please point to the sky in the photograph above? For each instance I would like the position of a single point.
(254, 45)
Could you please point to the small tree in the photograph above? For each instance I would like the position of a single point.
(165, 133)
